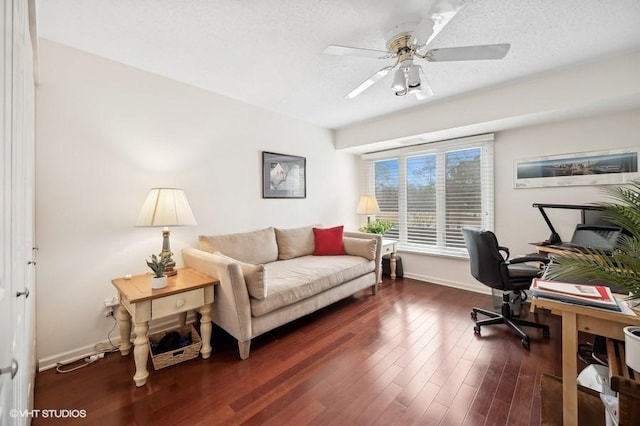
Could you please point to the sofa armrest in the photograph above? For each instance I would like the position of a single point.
(378, 239)
(232, 310)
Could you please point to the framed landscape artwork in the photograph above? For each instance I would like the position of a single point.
(586, 168)
(283, 176)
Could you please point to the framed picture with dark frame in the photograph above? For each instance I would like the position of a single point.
(283, 176)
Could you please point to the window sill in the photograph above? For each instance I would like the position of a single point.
(460, 254)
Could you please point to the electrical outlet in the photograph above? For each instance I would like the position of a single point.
(109, 305)
(113, 301)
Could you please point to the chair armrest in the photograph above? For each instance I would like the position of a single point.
(505, 250)
(529, 258)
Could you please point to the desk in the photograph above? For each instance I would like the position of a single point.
(187, 290)
(559, 251)
(551, 250)
(580, 318)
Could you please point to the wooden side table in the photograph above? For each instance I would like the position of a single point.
(390, 247)
(187, 290)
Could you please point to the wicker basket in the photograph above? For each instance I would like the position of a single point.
(185, 353)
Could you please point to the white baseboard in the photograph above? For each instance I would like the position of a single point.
(159, 325)
(66, 357)
(462, 286)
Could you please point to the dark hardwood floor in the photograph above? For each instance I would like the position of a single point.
(405, 356)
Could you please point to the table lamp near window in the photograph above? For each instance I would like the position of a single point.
(368, 205)
(166, 207)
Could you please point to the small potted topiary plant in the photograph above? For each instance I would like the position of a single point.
(157, 265)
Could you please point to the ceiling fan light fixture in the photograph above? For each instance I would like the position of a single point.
(409, 41)
(399, 81)
(413, 76)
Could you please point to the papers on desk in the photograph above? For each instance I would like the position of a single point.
(598, 296)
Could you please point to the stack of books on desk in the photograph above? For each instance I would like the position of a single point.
(597, 296)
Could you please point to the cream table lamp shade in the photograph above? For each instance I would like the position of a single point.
(166, 207)
(368, 205)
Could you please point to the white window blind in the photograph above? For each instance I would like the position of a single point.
(431, 191)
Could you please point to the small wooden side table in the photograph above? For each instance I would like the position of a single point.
(187, 290)
(390, 247)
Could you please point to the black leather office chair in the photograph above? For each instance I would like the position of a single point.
(493, 269)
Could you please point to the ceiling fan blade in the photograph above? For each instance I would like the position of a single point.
(425, 87)
(435, 20)
(468, 53)
(355, 51)
(368, 82)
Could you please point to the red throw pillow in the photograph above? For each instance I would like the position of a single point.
(328, 241)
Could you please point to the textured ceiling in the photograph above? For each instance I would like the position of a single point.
(269, 52)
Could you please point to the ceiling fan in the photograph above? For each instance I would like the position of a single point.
(408, 41)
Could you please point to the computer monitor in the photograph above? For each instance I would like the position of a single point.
(595, 217)
(596, 236)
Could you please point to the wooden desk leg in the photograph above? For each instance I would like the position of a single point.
(205, 331)
(392, 264)
(569, 369)
(124, 324)
(141, 352)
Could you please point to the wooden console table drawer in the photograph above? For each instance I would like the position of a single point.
(177, 303)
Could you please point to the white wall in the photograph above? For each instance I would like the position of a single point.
(106, 134)
(516, 222)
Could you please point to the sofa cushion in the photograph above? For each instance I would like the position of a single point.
(255, 277)
(328, 241)
(250, 247)
(296, 279)
(363, 247)
(295, 242)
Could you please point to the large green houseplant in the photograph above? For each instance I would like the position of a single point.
(622, 268)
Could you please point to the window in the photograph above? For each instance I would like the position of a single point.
(432, 191)
(386, 192)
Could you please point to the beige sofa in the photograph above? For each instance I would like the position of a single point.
(270, 277)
